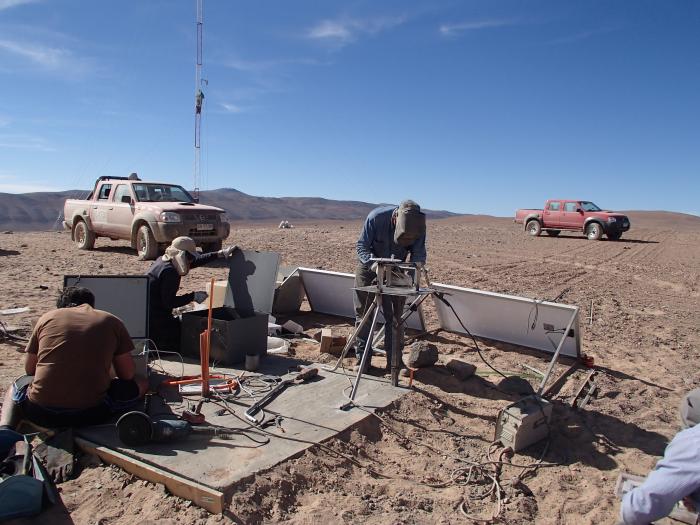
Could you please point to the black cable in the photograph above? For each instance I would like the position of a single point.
(440, 296)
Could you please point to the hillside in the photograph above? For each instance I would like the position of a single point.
(43, 211)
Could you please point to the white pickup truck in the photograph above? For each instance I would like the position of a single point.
(149, 214)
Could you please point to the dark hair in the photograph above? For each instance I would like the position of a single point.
(75, 296)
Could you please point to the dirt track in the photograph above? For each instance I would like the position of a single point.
(644, 338)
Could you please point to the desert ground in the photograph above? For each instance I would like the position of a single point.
(644, 337)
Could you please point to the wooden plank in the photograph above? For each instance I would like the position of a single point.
(202, 496)
(554, 387)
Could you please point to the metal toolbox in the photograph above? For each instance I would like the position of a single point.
(239, 328)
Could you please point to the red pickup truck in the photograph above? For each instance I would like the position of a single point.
(581, 216)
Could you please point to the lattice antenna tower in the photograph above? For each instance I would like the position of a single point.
(199, 84)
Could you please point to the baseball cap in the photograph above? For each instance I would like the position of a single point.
(185, 244)
(410, 223)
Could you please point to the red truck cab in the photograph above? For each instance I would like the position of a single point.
(573, 215)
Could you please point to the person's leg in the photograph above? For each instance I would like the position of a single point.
(398, 330)
(124, 395)
(12, 412)
(364, 276)
(387, 312)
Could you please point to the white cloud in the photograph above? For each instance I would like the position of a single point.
(47, 57)
(330, 29)
(346, 30)
(7, 4)
(25, 142)
(232, 108)
(475, 25)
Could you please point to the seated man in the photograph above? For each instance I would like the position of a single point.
(676, 476)
(69, 360)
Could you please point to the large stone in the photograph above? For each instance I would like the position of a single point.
(422, 355)
(460, 369)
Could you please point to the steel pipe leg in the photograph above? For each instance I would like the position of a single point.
(353, 336)
(365, 354)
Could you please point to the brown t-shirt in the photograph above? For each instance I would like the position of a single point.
(75, 347)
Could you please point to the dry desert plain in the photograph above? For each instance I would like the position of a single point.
(644, 337)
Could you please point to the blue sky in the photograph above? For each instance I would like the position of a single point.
(470, 106)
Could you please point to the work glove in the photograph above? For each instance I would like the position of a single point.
(200, 297)
(374, 267)
(228, 251)
(419, 266)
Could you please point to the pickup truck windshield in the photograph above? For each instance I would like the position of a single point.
(161, 193)
(589, 206)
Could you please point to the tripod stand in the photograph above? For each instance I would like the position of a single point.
(386, 286)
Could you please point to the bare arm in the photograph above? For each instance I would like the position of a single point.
(30, 364)
(124, 366)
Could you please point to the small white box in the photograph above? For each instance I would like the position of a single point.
(524, 422)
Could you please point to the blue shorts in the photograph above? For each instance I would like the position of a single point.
(122, 395)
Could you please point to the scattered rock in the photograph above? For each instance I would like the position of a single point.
(460, 369)
(422, 354)
(43, 287)
(516, 385)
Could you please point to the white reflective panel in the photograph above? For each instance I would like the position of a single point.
(125, 296)
(508, 318)
(331, 293)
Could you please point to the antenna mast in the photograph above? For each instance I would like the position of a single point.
(198, 97)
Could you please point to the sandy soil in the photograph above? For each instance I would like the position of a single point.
(644, 338)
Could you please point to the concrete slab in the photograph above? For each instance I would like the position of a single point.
(310, 414)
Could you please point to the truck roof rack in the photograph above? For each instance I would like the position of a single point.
(133, 176)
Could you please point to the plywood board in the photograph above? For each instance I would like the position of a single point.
(209, 499)
(331, 293)
(310, 414)
(508, 318)
(125, 296)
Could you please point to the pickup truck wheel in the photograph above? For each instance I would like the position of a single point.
(212, 246)
(553, 233)
(146, 244)
(614, 236)
(533, 227)
(84, 236)
(594, 231)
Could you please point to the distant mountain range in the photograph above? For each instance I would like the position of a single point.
(44, 210)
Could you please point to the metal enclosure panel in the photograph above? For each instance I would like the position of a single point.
(125, 296)
(251, 279)
(331, 293)
(289, 295)
(508, 318)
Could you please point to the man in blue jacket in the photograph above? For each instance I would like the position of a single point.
(676, 476)
(397, 231)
